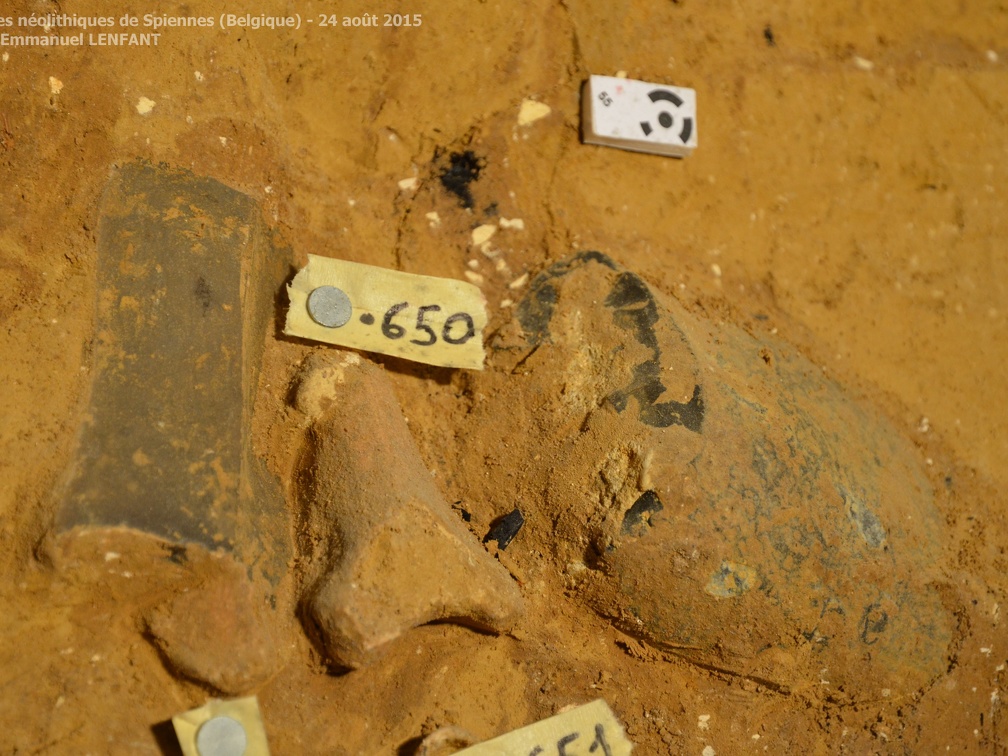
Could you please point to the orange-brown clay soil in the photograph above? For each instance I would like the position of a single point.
(847, 198)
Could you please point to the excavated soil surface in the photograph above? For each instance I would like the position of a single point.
(847, 197)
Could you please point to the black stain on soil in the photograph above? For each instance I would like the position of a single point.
(463, 169)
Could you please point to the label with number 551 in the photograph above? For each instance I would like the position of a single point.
(438, 321)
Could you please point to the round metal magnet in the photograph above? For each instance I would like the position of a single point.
(221, 736)
(329, 306)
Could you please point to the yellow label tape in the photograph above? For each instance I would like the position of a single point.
(222, 727)
(438, 321)
(589, 730)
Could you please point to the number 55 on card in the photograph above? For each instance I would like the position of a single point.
(438, 321)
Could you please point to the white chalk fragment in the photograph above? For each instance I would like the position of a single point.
(145, 105)
(516, 223)
(991, 56)
(475, 278)
(519, 282)
(532, 111)
(703, 721)
(716, 270)
(55, 85)
(198, 75)
(863, 63)
(434, 218)
(482, 234)
(408, 184)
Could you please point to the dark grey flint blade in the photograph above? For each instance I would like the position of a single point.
(186, 281)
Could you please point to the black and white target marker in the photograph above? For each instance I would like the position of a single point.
(639, 115)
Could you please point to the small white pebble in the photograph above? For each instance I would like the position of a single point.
(991, 56)
(408, 184)
(145, 105)
(476, 278)
(268, 189)
(886, 692)
(96, 658)
(703, 721)
(924, 425)
(519, 282)
(55, 85)
(863, 63)
(188, 119)
(127, 574)
(198, 75)
(473, 264)
(756, 736)
(986, 651)
(501, 266)
(110, 555)
(482, 234)
(223, 141)
(716, 269)
(708, 751)
(506, 303)
(532, 111)
(6, 57)
(516, 223)
(434, 218)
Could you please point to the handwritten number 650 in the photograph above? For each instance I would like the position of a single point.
(395, 331)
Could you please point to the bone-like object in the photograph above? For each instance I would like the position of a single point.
(385, 553)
